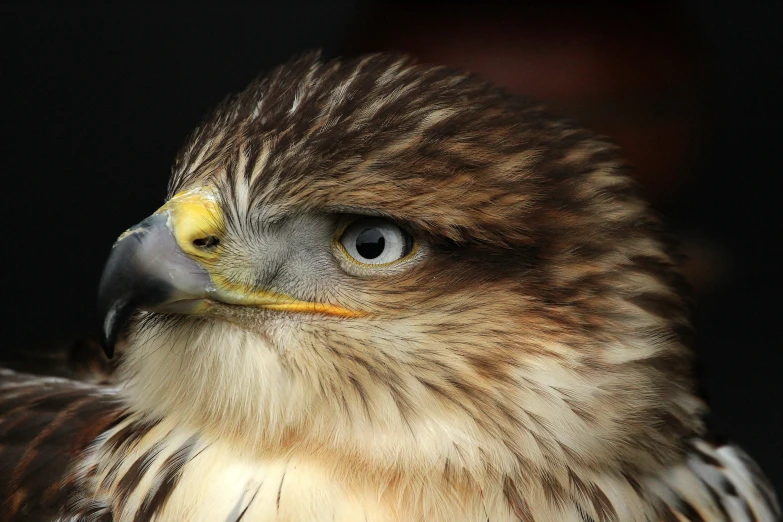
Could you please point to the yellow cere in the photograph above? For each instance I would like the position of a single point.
(195, 214)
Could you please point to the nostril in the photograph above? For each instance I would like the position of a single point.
(206, 243)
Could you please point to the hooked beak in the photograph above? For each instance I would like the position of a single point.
(149, 269)
(169, 263)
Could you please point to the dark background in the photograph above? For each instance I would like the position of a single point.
(95, 103)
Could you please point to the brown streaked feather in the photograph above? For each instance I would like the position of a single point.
(730, 486)
(167, 479)
(45, 424)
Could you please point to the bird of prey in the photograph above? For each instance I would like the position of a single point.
(382, 291)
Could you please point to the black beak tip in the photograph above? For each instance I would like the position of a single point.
(114, 320)
(108, 347)
(144, 268)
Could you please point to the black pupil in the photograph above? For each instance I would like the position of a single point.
(370, 243)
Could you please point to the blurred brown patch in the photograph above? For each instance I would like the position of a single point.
(625, 71)
(82, 360)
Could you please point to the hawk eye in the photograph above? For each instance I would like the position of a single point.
(376, 241)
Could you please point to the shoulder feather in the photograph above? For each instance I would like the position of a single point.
(717, 482)
(45, 424)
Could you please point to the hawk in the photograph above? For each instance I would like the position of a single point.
(382, 291)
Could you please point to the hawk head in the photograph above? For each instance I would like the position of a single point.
(405, 267)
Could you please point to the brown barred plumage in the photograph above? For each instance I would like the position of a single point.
(45, 424)
(526, 357)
